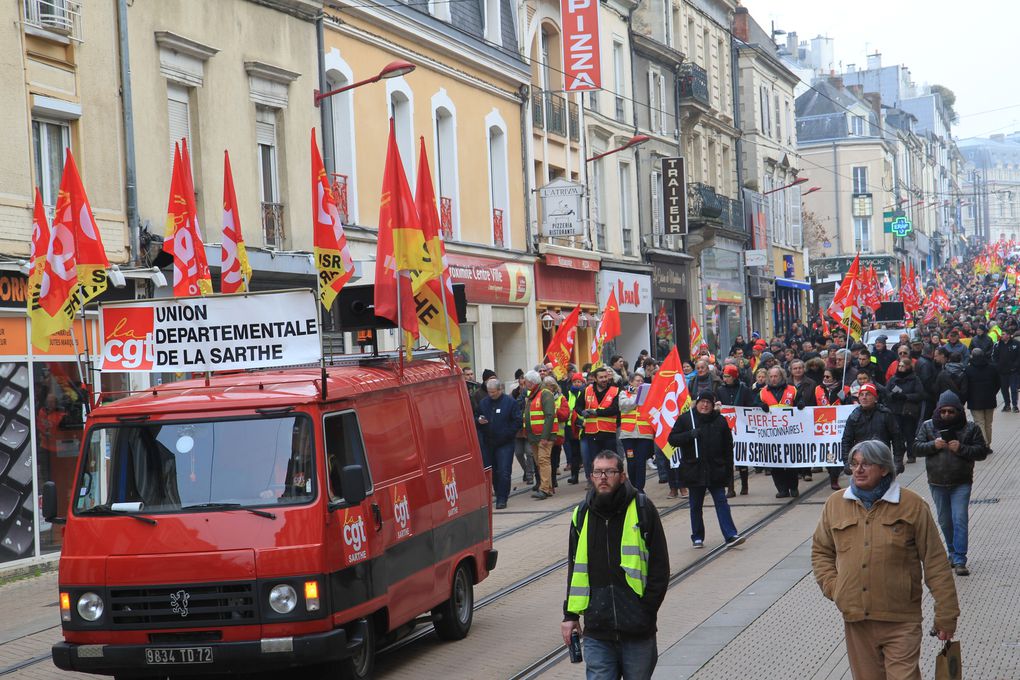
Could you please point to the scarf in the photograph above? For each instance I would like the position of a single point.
(868, 498)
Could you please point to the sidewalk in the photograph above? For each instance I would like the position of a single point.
(782, 627)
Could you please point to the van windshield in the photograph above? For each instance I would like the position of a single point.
(171, 466)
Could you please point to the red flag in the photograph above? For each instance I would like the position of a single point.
(697, 339)
(663, 328)
(845, 306)
(329, 242)
(180, 240)
(561, 347)
(90, 255)
(825, 324)
(40, 244)
(609, 327)
(235, 272)
(871, 294)
(433, 294)
(667, 399)
(204, 277)
(397, 213)
(995, 298)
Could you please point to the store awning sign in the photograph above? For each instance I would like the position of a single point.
(674, 195)
(561, 208)
(220, 333)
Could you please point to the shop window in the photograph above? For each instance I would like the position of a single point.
(464, 354)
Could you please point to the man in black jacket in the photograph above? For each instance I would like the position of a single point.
(731, 392)
(619, 607)
(872, 420)
(982, 391)
(950, 445)
(1006, 357)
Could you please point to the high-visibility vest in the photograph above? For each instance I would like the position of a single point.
(822, 399)
(994, 333)
(633, 421)
(789, 395)
(597, 424)
(536, 416)
(559, 426)
(633, 560)
(576, 421)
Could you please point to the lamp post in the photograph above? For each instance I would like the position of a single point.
(394, 69)
(631, 143)
(799, 180)
(811, 191)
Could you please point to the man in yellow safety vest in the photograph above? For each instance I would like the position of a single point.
(617, 576)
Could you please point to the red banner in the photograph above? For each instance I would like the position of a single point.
(492, 281)
(582, 66)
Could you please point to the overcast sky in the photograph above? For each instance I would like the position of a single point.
(970, 47)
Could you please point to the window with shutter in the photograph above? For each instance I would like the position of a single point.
(179, 111)
(265, 138)
(653, 111)
(796, 227)
(662, 103)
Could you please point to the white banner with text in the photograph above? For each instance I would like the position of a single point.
(216, 333)
(787, 437)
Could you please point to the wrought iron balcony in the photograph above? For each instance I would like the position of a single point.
(272, 225)
(693, 84)
(732, 213)
(575, 122)
(702, 201)
(555, 114)
(537, 109)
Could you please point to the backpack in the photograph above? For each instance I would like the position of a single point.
(642, 513)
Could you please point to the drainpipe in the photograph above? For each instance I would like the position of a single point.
(128, 120)
(326, 105)
(835, 193)
(527, 141)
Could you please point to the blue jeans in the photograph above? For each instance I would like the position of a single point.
(592, 445)
(661, 465)
(636, 453)
(1010, 386)
(627, 659)
(722, 512)
(502, 458)
(952, 505)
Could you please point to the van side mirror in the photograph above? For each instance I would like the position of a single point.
(353, 481)
(49, 503)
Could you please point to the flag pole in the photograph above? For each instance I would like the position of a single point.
(77, 357)
(400, 331)
(446, 318)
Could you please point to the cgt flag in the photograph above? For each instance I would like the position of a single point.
(433, 295)
(53, 267)
(561, 347)
(845, 307)
(609, 327)
(667, 399)
(697, 339)
(40, 244)
(332, 256)
(235, 272)
(191, 271)
(76, 213)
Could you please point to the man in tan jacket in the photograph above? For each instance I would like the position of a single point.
(867, 554)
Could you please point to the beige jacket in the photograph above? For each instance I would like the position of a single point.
(869, 562)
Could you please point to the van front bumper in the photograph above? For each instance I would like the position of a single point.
(267, 654)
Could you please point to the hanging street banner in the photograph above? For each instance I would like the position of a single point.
(787, 437)
(221, 333)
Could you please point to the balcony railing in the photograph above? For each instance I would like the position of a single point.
(575, 122)
(537, 109)
(497, 228)
(272, 225)
(56, 16)
(340, 183)
(446, 217)
(693, 84)
(555, 114)
(732, 213)
(702, 201)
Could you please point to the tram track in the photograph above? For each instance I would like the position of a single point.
(554, 657)
(30, 661)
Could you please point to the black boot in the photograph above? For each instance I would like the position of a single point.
(743, 482)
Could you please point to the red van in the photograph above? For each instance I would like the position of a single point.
(254, 524)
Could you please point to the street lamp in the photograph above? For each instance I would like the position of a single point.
(799, 180)
(632, 142)
(394, 69)
(811, 191)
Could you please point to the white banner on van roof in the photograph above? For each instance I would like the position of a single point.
(216, 333)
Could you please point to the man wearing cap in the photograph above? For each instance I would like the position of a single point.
(871, 420)
(981, 340)
(882, 355)
(572, 439)
(954, 345)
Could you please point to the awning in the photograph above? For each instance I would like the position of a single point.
(793, 283)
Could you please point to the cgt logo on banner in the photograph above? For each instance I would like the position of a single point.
(206, 334)
(355, 537)
(449, 482)
(401, 510)
(787, 437)
(667, 399)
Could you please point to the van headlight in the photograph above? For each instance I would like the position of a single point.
(90, 606)
(283, 599)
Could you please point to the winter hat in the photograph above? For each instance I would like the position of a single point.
(760, 344)
(488, 373)
(949, 399)
(731, 371)
(577, 376)
(869, 388)
(766, 356)
(707, 395)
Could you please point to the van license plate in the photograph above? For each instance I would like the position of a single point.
(160, 656)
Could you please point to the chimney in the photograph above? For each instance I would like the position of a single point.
(851, 68)
(791, 42)
(1000, 137)
(741, 19)
(875, 61)
(856, 90)
(875, 99)
(835, 81)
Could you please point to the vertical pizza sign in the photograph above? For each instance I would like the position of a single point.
(355, 536)
(582, 64)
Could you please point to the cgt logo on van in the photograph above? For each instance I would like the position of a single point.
(449, 481)
(401, 511)
(825, 422)
(355, 538)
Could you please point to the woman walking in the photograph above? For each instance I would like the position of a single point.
(706, 465)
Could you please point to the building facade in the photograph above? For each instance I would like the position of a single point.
(990, 193)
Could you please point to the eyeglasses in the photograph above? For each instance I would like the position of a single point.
(861, 466)
(603, 474)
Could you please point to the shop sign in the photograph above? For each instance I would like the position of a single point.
(756, 258)
(633, 291)
(221, 333)
(572, 262)
(582, 64)
(669, 281)
(674, 195)
(491, 281)
(561, 208)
